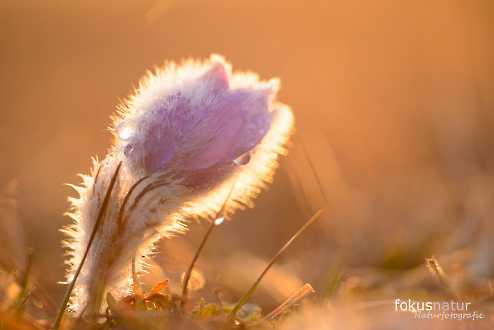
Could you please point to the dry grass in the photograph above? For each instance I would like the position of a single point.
(394, 141)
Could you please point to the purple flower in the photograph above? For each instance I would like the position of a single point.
(206, 118)
(189, 137)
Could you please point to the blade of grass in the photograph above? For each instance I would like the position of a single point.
(294, 298)
(253, 288)
(192, 264)
(437, 271)
(213, 224)
(315, 173)
(24, 284)
(333, 280)
(102, 211)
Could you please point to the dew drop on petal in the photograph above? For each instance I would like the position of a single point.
(125, 132)
(243, 159)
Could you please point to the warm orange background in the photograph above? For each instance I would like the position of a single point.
(393, 99)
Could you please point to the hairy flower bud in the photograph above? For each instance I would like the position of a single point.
(189, 136)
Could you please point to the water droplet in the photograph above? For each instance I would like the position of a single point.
(219, 221)
(125, 132)
(243, 159)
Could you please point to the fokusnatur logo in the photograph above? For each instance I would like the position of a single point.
(443, 310)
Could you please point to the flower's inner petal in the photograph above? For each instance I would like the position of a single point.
(254, 106)
(220, 147)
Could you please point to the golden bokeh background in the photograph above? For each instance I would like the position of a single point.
(393, 100)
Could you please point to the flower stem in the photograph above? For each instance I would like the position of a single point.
(102, 211)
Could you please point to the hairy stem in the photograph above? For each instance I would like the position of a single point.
(97, 224)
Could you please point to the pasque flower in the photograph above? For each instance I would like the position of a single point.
(190, 135)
